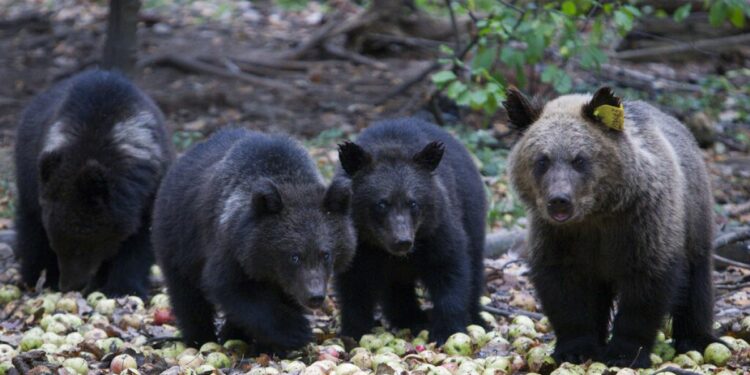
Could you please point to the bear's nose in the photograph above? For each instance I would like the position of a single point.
(403, 245)
(315, 301)
(560, 207)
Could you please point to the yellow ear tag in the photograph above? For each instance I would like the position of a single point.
(613, 117)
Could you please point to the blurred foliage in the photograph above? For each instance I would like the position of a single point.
(545, 39)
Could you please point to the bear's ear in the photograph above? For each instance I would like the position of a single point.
(338, 195)
(353, 158)
(611, 115)
(92, 182)
(48, 162)
(522, 112)
(266, 198)
(430, 156)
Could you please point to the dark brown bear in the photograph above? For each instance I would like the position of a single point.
(90, 153)
(243, 224)
(619, 209)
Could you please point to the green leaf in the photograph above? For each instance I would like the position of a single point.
(623, 20)
(443, 77)
(569, 8)
(717, 13)
(737, 17)
(512, 57)
(478, 99)
(534, 46)
(682, 12)
(455, 89)
(485, 58)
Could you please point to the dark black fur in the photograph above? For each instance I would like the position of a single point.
(85, 207)
(244, 224)
(418, 219)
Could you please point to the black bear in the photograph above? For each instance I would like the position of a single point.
(619, 207)
(90, 154)
(419, 208)
(244, 224)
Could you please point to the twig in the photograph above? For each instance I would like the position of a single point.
(422, 74)
(510, 312)
(715, 44)
(342, 53)
(456, 35)
(197, 66)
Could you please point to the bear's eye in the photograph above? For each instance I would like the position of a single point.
(382, 204)
(326, 255)
(295, 258)
(541, 164)
(413, 205)
(579, 163)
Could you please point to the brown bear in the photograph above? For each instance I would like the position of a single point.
(619, 209)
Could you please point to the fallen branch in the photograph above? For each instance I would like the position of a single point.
(704, 45)
(498, 243)
(731, 262)
(409, 41)
(640, 80)
(739, 209)
(511, 312)
(333, 27)
(193, 65)
(345, 54)
(8, 236)
(731, 237)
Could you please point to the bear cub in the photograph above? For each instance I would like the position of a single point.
(419, 208)
(620, 209)
(243, 224)
(90, 153)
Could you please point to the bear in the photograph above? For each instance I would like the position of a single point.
(90, 153)
(419, 208)
(244, 225)
(619, 208)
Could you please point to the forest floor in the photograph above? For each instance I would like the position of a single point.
(322, 100)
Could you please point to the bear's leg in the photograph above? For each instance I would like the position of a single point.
(446, 273)
(643, 302)
(578, 309)
(230, 331)
(401, 307)
(477, 287)
(34, 252)
(260, 310)
(356, 295)
(693, 313)
(195, 315)
(129, 270)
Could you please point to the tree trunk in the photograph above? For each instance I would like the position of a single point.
(121, 46)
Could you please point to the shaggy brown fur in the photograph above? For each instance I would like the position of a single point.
(614, 215)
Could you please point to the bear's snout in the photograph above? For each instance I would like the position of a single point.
(560, 207)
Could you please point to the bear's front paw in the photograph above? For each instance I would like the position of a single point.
(440, 334)
(627, 355)
(577, 350)
(695, 343)
(294, 336)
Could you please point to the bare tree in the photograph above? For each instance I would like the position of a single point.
(120, 48)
